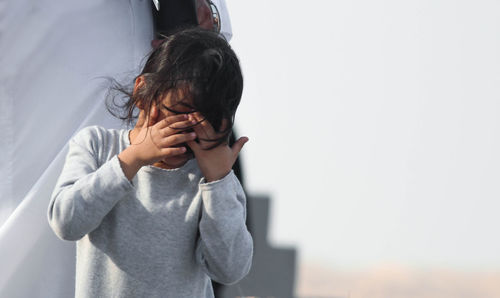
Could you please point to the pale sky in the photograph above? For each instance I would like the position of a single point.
(374, 128)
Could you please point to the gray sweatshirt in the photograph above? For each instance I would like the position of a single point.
(166, 233)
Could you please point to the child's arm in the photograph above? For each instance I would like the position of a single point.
(85, 191)
(225, 247)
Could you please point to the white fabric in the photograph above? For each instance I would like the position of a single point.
(53, 55)
(226, 28)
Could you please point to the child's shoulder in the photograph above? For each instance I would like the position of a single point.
(95, 136)
(95, 132)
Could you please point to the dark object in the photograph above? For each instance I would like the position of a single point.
(273, 271)
(174, 15)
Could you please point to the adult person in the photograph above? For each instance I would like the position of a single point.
(54, 54)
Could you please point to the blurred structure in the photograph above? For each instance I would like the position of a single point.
(273, 269)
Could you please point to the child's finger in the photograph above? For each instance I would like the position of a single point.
(200, 132)
(202, 128)
(207, 128)
(177, 139)
(172, 151)
(171, 120)
(176, 127)
(238, 145)
(194, 146)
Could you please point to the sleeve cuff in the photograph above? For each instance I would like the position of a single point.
(223, 181)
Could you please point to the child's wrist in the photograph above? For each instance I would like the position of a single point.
(130, 162)
(211, 177)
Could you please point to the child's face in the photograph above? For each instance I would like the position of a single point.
(175, 103)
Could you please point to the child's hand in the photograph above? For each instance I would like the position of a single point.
(155, 141)
(161, 140)
(214, 163)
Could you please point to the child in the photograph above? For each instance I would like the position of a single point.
(149, 220)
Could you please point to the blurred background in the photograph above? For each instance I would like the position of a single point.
(374, 129)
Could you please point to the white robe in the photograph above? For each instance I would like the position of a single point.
(53, 55)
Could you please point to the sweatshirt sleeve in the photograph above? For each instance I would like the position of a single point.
(225, 247)
(85, 192)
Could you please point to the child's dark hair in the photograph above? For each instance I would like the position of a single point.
(196, 63)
